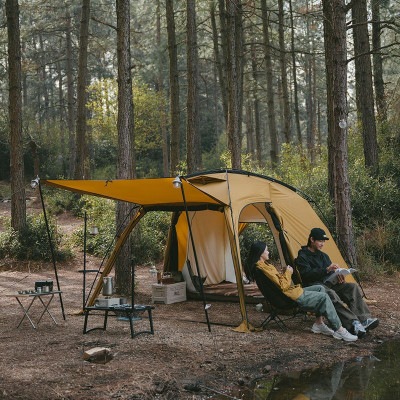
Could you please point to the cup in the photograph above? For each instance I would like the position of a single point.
(39, 290)
(45, 289)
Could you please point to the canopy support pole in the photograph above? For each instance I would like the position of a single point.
(51, 249)
(122, 239)
(235, 256)
(195, 257)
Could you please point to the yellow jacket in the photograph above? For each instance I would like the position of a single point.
(283, 281)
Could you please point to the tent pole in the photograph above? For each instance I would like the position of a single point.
(84, 262)
(51, 248)
(195, 257)
(239, 278)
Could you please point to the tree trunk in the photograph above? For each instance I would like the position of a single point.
(218, 62)
(173, 86)
(336, 81)
(377, 60)
(81, 91)
(125, 126)
(61, 116)
(249, 127)
(18, 207)
(193, 142)
(296, 96)
(163, 121)
(274, 150)
(234, 84)
(70, 97)
(364, 91)
(256, 105)
(43, 79)
(287, 135)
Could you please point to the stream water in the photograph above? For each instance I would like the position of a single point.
(374, 377)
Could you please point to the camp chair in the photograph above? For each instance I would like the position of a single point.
(276, 300)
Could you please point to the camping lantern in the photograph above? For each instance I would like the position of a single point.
(153, 271)
(177, 182)
(94, 230)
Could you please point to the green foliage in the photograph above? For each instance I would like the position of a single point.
(253, 233)
(58, 201)
(149, 243)
(149, 237)
(32, 242)
(149, 115)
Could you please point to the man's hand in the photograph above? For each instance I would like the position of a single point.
(290, 269)
(340, 278)
(332, 267)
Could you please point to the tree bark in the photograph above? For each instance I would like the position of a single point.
(336, 81)
(18, 207)
(173, 87)
(70, 97)
(125, 126)
(295, 89)
(377, 61)
(163, 121)
(364, 90)
(43, 79)
(219, 62)
(256, 105)
(193, 142)
(81, 92)
(274, 149)
(61, 115)
(287, 135)
(234, 83)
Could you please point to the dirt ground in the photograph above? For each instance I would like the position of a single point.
(182, 360)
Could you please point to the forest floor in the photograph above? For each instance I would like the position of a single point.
(182, 360)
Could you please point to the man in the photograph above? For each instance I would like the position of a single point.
(315, 267)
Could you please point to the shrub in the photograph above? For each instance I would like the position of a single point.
(32, 243)
(149, 236)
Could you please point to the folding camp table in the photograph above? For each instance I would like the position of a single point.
(35, 296)
(131, 313)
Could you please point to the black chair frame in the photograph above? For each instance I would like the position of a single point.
(277, 302)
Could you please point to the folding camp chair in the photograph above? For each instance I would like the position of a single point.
(276, 300)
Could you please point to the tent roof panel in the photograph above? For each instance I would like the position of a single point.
(146, 192)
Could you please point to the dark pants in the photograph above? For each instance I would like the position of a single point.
(350, 294)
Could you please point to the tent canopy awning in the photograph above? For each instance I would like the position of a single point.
(146, 192)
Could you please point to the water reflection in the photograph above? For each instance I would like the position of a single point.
(374, 377)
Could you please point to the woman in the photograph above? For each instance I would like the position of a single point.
(312, 298)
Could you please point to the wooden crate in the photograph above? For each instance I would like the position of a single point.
(168, 294)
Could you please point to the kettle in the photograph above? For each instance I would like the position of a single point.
(108, 286)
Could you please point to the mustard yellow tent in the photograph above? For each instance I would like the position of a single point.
(218, 204)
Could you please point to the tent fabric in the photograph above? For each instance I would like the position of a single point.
(146, 192)
(219, 205)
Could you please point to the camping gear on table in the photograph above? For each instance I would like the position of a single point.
(44, 284)
(108, 286)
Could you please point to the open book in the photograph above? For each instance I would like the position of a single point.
(340, 271)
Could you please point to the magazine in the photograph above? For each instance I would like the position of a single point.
(340, 271)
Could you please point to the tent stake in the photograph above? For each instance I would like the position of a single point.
(51, 249)
(195, 257)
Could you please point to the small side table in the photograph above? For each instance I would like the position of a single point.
(34, 296)
(130, 313)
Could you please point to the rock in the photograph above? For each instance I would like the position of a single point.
(99, 355)
(267, 369)
(241, 381)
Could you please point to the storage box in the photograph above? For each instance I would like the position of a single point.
(107, 302)
(168, 294)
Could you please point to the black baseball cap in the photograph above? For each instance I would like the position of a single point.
(318, 234)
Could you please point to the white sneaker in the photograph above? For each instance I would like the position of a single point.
(345, 335)
(322, 328)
